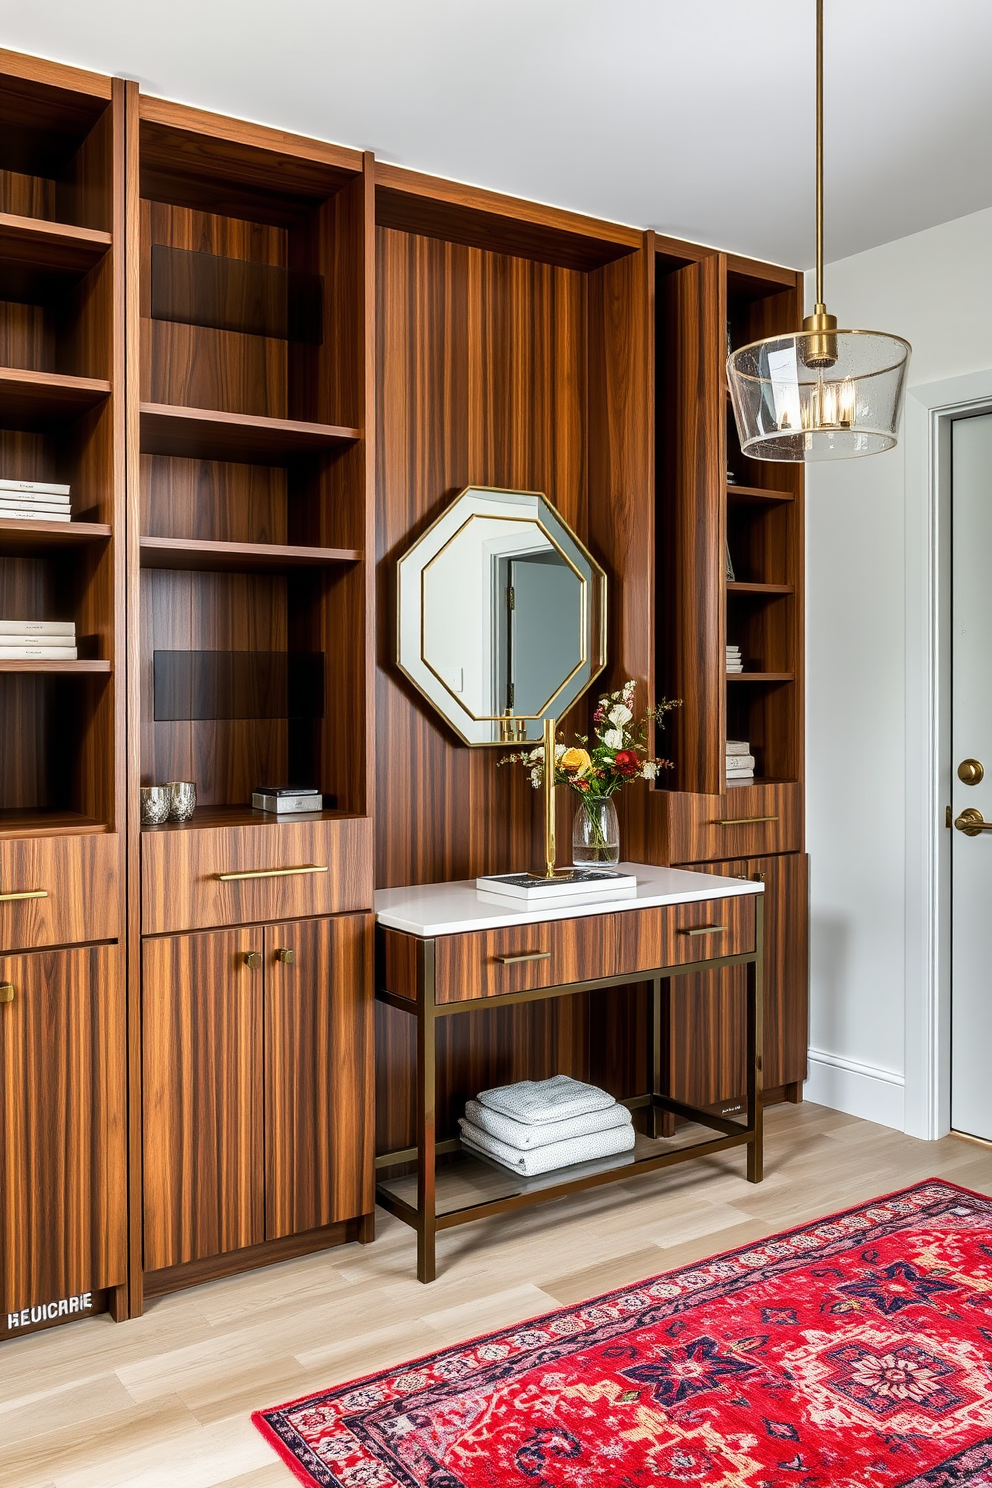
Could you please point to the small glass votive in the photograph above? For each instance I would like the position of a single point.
(182, 799)
(155, 804)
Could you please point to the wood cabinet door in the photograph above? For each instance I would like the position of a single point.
(201, 1006)
(63, 1163)
(318, 1073)
(708, 1026)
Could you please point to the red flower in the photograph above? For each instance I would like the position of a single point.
(626, 762)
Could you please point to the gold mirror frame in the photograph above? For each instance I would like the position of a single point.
(413, 568)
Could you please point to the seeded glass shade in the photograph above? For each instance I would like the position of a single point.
(789, 408)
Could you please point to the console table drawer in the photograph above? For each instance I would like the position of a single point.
(678, 934)
(521, 958)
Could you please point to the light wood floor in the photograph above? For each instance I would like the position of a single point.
(164, 1400)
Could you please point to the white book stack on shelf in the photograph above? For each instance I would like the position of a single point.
(37, 640)
(34, 501)
(740, 762)
(735, 662)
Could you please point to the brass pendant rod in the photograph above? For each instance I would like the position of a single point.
(820, 303)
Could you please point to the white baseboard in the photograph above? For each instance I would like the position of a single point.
(858, 1089)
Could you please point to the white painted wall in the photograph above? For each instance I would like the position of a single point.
(934, 288)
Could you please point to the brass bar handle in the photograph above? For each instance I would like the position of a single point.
(706, 930)
(530, 956)
(6, 991)
(24, 894)
(742, 821)
(270, 872)
(972, 823)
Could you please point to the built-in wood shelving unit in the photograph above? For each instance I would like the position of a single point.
(196, 554)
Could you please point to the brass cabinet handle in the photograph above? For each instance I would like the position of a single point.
(253, 959)
(706, 930)
(742, 821)
(24, 894)
(6, 991)
(530, 956)
(972, 823)
(286, 955)
(271, 872)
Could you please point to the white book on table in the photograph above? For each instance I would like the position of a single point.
(40, 488)
(17, 643)
(38, 627)
(38, 653)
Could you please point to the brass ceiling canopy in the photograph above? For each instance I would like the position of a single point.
(819, 393)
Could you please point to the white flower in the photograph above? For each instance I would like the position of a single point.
(649, 769)
(560, 749)
(535, 779)
(613, 738)
(620, 715)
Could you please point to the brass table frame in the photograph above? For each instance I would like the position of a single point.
(424, 1218)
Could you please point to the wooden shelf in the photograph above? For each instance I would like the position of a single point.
(38, 396)
(757, 494)
(761, 677)
(206, 434)
(71, 668)
(759, 589)
(232, 557)
(40, 537)
(205, 817)
(33, 243)
(20, 823)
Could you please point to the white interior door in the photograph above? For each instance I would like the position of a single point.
(971, 745)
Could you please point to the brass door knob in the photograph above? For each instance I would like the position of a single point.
(253, 959)
(972, 823)
(971, 771)
(6, 991)
(286, 955)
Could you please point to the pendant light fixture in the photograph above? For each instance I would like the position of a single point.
(819, 393)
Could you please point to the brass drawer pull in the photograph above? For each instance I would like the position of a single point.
(270, 872)
(706, 930)
(24, 894)
(286, 955)
(530, 956)
(6, 991)
(743, 821)
(252, 959)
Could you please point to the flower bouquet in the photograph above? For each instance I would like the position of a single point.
(596, 773)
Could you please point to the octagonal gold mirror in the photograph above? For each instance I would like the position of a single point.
(501, 615)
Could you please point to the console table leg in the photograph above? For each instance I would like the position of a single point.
(426, 1123)
(755, 1021)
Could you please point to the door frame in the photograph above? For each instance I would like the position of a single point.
(930, 412)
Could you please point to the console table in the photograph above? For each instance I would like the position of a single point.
(444, 951)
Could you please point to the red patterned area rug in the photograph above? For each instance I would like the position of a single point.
(855, 1352)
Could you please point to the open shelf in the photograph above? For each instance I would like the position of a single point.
(759, 589)
(19, 823)
(237, 557)
(71, 668)
(754, 494)
(761, 677)
(205, 817)
(33, 396)
(39, 538)
(207, 434)
(39, 260)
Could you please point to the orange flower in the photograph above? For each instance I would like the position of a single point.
(575, 762)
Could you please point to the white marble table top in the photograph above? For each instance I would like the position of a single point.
(453, 908)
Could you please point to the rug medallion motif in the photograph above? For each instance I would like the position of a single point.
(854, 1352)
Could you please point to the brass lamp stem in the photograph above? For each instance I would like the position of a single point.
(821, 348)
(550, 765)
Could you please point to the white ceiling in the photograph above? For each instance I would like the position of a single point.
(691, 116)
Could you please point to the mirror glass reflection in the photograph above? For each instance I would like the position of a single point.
(500, 611)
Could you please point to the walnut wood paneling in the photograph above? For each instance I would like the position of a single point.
(202, 1095)
(179, 867)
(63, 1174)
(318, 1074)
(81, 875)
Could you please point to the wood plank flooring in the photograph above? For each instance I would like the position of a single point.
(164, 1400)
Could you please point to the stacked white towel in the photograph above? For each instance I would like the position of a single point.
(740, 760)
(537, 1126)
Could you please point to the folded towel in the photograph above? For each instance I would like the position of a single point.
(545, 1100)
(554, 1155)
(740, 761)
(525, 1137)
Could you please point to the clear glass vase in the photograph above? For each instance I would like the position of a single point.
(595, 832)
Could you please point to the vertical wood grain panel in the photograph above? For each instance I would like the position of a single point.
(63, 1173)
(202, 1101)
(318, 1074)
